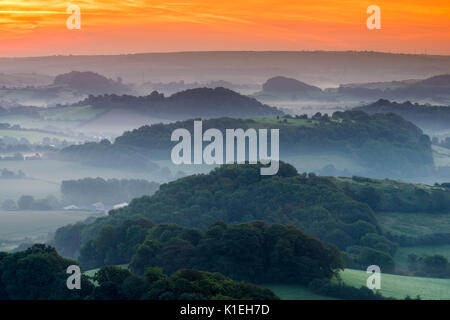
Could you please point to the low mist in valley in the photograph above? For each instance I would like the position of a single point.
(364, 141)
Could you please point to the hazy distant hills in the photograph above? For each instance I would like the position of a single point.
(112, 114)
(425, 116)
(378, 145)
(435, 89)
(199, 102)
(19, 80)
(91, 83)
(65, 88)
(280, 88)
(320, 68)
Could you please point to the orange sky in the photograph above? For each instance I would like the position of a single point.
(36, 27)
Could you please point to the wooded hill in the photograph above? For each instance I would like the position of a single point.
(340, 211)
(385, 145)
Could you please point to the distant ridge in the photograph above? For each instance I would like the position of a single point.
(199, 102)
(314, 67)
(426, 117)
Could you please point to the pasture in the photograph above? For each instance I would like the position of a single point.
(399, 287)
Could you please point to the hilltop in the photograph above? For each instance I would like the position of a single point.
(380, 145)
(340, 211)
(199, 102)
(426, 117)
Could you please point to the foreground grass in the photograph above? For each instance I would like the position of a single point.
(394, 286)
(401, 286)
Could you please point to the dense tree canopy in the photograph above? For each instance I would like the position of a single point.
(255, 252)
(39, 273)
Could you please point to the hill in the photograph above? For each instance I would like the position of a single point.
(199, 102)
(431, 118)
(90, 83)
(277, 88)
(341, 211)
(383, 145)
(435, 89)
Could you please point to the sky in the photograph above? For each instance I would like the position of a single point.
(38, 28)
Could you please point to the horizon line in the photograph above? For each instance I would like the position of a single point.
(227, 51)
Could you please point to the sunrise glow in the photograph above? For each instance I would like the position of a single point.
(34, 27)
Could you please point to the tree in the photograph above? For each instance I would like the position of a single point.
(25, 202)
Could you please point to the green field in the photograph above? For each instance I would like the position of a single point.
(16, 225)
(34, 136)
(286, 121)
(55, 170)
(82, 113)
(394, 286)
(314, 162)
(401, 286)
(64, 118)
(15, 188)
(47, 175)
(441, 156)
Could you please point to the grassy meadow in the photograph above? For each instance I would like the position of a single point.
(399, 287)
(35, 136)
(394, 286)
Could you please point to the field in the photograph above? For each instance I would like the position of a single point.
(314, 162)
(441, 156)
(34, 136)
(46, 176)
(14, 188)
(63, 118)
(55, 170)
(33, 123)
(82, 113)
(401, 286)
(16, 225)
(285, 121)
(394, 286)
